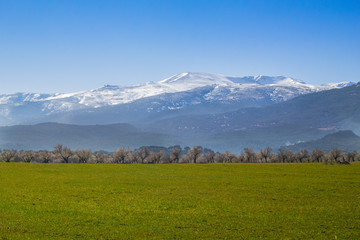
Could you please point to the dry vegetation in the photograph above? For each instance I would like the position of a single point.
(175, 154)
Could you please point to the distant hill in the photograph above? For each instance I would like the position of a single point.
(257, 138)
(96, 137)
(345, 140)
(110, 137)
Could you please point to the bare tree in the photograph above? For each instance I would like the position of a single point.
(141, 154)
(219, 158)
(249, 155)
(99, 157)
(194, 154)
(338, 156)
(285, 156)
(351, 156)
(84, 155)
(265, 154)
(240, 158)
(8, 155)
(289, 156)
(155, 157)
(26, 156)
(64, 152)
(229, 157)
(281, 156)
(303, 155)
(120, 155)
(357, 157)
(175, 155)
(209, 157)
(184, 158)
(317, 155)
(44, 156)
(160, 156)
(166, 159)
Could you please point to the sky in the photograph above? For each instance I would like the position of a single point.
(71, 45)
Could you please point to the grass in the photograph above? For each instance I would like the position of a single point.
(179, 201)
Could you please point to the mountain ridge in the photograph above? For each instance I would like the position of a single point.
(345, 140)
(311, 110)
(301, 119)
(224, 90)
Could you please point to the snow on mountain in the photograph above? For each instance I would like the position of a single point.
(22, 97)
(224, 88)
(339, 85)
(186, 81)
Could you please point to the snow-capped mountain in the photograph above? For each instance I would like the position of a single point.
(188, 87)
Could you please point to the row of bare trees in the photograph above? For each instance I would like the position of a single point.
(178, 155)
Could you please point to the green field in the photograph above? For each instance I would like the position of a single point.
(179, 201)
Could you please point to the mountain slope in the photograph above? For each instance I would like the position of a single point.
(332, 109)
(156, 97)
(95, 137)
(345, 140)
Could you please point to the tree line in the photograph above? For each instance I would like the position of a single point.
(176, 154)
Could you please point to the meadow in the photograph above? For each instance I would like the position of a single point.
(179, 201)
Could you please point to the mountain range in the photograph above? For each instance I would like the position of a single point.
(178, 95)
(215, 111)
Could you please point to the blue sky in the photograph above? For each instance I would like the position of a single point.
(71, 45)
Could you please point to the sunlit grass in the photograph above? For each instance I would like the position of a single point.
(186, 201)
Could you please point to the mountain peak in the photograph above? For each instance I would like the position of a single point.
(109, 87)
(210, 79)
(265, 80)
(187, 77)
(339, 85)
(191, 80)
